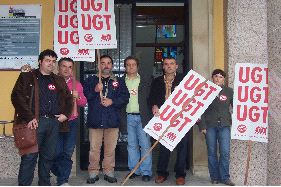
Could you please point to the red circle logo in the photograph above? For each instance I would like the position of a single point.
(51, 87)
(64, 51)
(157, 126)
(88, 37)
(133, 92)
(242, 128)
(223, 98)
(115, 84)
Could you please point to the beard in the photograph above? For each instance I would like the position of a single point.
(106, 71)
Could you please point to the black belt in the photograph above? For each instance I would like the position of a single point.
(134, 113)
(48, 116)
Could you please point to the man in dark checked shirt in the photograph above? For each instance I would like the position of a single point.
(55, 105)
(161, 89)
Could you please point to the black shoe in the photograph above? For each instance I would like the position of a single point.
(229, 183)
(146, 178)
(214, 181)
(92, 180)
(110, 179)
(133, 176)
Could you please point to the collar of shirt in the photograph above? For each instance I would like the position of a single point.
(105, 79)
(126, 77)
(44, 77)
(40, 74)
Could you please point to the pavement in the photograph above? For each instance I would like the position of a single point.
(80, 180)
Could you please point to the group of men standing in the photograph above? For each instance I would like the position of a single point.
(106, 98)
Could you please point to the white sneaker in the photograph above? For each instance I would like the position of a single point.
(66, 184)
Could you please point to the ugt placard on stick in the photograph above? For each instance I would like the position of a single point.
(250, 102)
(192, 110)
(96, 22)
(66, 39)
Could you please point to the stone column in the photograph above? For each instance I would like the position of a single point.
(202, 59)
(247, 43)
(274, 64)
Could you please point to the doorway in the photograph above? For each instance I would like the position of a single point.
(160, 31)
(138, 26)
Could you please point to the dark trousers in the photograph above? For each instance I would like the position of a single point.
(65, 148)
(47, 135)
(164, 157)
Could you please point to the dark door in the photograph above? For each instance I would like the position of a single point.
(162, 31)
(123, 17)
(137, 27)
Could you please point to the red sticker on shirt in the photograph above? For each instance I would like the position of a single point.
(133, 92)
(223, 98)
(51, 87)
(115, 84)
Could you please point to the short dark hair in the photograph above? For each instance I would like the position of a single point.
(219, 71)
(131, 58)
(47, 52)
(169, 58)
(107, 56)
(65, 59)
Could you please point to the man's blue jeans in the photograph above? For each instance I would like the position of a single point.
(47, 136)
(138, 145)
(65, 148)
(218, 168)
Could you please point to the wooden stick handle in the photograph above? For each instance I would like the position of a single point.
(248, 161)
(99, 68)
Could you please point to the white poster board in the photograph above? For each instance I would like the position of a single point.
(96, 24)
(174, 104)
(66, 39)
(20, 28)
(250, 102)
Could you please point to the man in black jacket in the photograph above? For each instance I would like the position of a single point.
(103, 119)
(161, 89)
(55, 105)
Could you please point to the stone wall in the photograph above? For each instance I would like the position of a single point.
(253, 36)
(9, 159)
(274, 64)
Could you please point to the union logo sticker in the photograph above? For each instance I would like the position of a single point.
(115, 84)
(223, 98)
(51, 87)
